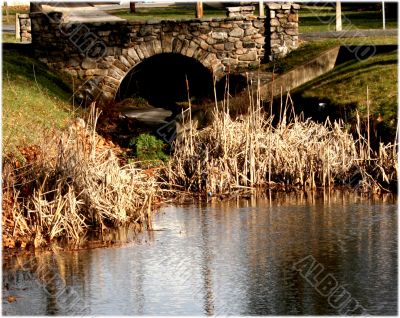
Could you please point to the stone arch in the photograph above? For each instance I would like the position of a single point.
(120, 65)
(160, 80)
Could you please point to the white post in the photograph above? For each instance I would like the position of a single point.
(261, 8)
(383, 15)
(17, 28)
(338, 16)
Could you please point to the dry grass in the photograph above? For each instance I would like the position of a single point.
(75, 183)
(252, 152)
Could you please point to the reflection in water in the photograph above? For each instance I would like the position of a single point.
(233, 257)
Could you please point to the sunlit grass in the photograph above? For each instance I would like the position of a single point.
(34, 101)
(165, 13)
(317, 19)
(348, 82)
(8, 14)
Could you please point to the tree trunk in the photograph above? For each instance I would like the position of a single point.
(132, 7)
(35, 7)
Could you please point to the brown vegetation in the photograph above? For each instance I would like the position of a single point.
(72, 183)
(252, 152)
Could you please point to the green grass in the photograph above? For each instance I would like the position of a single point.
(318, 19)
(165, 13)
(309, 50)
(9, 38)
(10, 19)
(347, 85)
(34, 101)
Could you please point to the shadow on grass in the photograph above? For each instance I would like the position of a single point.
(19, 63)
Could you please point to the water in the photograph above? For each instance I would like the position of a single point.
(225, 258)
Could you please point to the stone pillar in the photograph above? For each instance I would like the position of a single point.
(283, 22)
(24, 27)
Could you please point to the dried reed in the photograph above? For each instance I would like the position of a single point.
(252, 152)
(76, 184)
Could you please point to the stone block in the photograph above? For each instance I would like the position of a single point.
(250, 31)
(219, 47)
(260, 40)
(274, 22)
(293, 17)
(176, 46)
(229, 46)
(132, 53)
(139, 53)
(219, 35)
(204, 45)
(236, 32)
(226, 25)
(258, 23)
(120, 65)
(291, 32)
(88, 63)
(125, 61)
(250, 56)
(274, 6)
(249, 45)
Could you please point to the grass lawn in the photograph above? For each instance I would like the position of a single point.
(165, 13)
(10, 18)
(347, 85)
(34, 101)
(317, 19)
(309, 50)
(9, 38)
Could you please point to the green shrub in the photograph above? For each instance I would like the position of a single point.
(148, 147)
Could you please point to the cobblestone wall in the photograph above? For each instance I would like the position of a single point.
(100, 54)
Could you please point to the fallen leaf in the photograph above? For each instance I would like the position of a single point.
(11, 299)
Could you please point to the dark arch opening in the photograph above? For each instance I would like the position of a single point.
(161, 81)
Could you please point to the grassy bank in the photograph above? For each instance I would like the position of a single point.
(345, 87)
(35, 101)
(311, 49)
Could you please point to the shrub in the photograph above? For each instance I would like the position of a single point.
(148, 147)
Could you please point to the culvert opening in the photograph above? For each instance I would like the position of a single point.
(160, 81)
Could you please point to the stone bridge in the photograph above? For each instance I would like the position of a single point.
(99, 55)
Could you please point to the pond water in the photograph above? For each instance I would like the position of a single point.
(256, 256)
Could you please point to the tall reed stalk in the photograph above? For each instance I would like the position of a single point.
(251, 152)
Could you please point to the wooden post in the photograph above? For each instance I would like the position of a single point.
(132, 7)
(261, 8)
(338, 16)
(199, 9)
